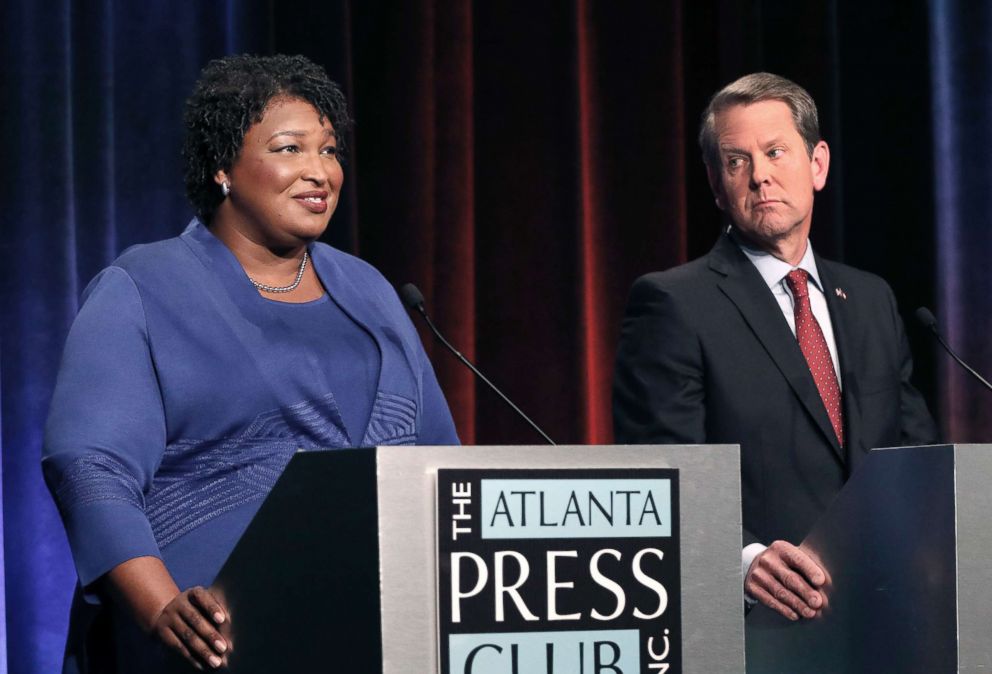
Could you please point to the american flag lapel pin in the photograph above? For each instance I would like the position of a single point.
(840, 293)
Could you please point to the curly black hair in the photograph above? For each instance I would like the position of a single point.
(230, 97)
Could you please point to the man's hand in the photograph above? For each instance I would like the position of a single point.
(188, 624)
(787, 580)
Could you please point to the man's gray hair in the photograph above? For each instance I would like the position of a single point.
(752, 89)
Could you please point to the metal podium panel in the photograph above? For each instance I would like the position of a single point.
(973, 472)
(710, 522)
(906, 549)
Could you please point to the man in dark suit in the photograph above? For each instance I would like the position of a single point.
(802, 361)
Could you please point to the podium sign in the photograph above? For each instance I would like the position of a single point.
(339, 571)
(707, 491)
(565, 570)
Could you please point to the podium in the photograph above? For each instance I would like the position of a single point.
(339, 571)
(907, 547)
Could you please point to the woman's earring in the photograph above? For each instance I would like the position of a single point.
(225, 188)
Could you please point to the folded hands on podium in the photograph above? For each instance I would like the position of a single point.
(786, 579)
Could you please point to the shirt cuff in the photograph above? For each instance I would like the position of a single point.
(748, 554)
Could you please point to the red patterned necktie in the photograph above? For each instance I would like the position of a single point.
(814, 347)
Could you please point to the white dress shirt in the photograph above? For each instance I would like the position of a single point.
(774, 271)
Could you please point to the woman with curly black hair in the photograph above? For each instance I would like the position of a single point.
(198, 365)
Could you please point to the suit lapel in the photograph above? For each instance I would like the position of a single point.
(843, 322)
(743, 285)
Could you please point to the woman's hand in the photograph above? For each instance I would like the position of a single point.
(184, 621)
(188, 624)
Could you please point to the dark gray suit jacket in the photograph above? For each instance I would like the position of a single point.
(706, 356)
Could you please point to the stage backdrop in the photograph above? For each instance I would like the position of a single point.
(522, 162)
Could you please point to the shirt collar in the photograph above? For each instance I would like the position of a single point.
(772, 269)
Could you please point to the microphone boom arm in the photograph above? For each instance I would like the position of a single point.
(926, 317)
(960, 362)
(419, 306)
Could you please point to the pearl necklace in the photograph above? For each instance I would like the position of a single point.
(284, 289)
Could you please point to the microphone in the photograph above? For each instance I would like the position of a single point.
(925, 316)
(414, 299)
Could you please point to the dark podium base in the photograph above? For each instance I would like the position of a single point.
(287, 612)
(906, 546)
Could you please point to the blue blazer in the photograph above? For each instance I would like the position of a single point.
(182, 395)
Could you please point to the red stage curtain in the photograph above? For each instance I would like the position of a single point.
(522, 165)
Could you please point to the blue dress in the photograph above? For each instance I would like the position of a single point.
(182, 395)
